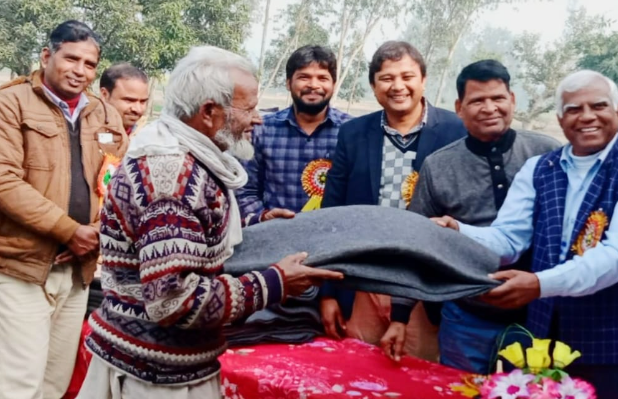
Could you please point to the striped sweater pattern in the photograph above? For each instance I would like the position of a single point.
(163, 228)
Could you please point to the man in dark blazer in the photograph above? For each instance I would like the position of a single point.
(354, 178)
(377, 159)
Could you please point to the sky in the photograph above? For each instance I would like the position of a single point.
(545, 17)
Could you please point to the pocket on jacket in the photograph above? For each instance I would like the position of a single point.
(41, 144)
(20, 248)
(108, 141)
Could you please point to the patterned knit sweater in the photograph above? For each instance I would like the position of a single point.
(163, 226)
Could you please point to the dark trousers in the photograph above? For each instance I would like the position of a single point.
(603, 377)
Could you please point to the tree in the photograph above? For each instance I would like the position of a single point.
(352, 89)
(263, 45)
(494, 43)
(594, 43)
(602, 56)
(312, 22)
(301, 26)
(150, 34)
(221, 23)
(542, 67)
(357, 19)
(24, 25)
(437, 28)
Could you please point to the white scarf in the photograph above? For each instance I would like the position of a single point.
(169, 135)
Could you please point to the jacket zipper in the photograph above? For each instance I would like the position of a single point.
(68, 138)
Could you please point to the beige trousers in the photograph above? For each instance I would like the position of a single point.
(105, 382)
(371, 318)
(39, 334)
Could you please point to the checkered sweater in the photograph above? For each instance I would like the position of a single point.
(163, 228)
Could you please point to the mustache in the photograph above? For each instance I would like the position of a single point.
(312, 91)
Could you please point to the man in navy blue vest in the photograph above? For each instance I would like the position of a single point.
(563, 205)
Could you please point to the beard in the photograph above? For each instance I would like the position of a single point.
(309, 108)
(237, 147)
(243, 150)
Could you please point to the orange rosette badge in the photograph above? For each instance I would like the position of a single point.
(408, 186)
(591, 233)
(110, 164)
(313, 180)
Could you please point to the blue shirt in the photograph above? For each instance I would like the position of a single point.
(282, 151)
(511, 233)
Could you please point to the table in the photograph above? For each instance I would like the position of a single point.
(330, 369)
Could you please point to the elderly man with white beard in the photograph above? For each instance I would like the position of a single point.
(169, 222)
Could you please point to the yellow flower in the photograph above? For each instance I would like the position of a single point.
(541, 344)
(563, 355)
(514, 353)
(465, 390)
(538, 359)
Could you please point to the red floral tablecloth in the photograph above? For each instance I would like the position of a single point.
(330, 369)
(322, 369)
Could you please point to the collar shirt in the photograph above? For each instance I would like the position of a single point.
(405, 140)
(83, 103)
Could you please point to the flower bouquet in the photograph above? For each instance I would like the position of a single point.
(537, 376)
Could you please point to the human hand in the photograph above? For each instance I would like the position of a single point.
(519, 289)
(393, 339)
(298, 277)
(64, 257)
(85, 242)
(446, 221)
(277, 213)
(334, 325)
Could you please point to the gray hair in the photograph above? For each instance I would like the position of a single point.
(577, 81)
(202, 75)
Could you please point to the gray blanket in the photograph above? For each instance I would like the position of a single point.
(295, 321)
(378, 249)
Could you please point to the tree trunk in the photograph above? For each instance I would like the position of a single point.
(354, 82)
(355, 53)
(344, 75)
(443, 76)
(449, 59)
(345, 25)
(263, 46)
(275, 71)
(428, 54)
(300, 29)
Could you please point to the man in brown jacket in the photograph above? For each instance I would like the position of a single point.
(53, 141)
